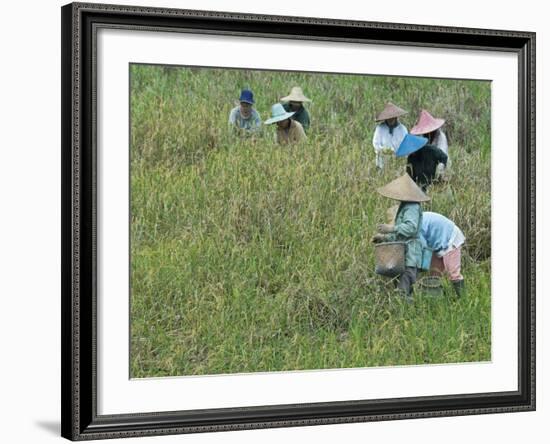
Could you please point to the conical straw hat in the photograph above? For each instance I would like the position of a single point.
(389, 112)
(426, 123)
(403, 189)
(296, 95)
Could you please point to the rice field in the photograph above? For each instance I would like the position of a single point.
(247, 256)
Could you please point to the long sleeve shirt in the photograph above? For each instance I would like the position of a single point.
(384, 138)
(441, 234)
(408, 222)
(293, 134)
(422, 164)
(440, 141)
(301, 116)
(251, 123)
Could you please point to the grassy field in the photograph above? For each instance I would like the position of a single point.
(247, 256)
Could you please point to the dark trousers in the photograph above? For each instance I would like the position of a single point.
(406, 280)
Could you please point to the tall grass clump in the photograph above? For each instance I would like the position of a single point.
(249, 256)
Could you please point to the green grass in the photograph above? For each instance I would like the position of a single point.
(247, 256)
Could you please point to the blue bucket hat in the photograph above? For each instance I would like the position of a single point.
(247, 96)
(410, 144)
(278, 113)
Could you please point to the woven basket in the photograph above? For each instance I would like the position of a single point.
(390, 258)
(431, 286)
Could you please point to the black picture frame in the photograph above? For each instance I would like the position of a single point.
(80, 420)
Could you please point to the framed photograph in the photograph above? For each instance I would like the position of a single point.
(275, 221)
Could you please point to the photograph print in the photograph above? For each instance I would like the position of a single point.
(292, 221)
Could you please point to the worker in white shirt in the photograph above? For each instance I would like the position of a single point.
(388, 133)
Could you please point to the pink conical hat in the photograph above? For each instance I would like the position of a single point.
(426, 124)
(389, 112)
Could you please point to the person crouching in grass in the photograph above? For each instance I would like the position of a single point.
(244, 118)
(288, 131)
(422, 164)
(294, 102)
(406, 228)
(446, 240)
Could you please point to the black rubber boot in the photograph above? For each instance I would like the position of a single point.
(460, 288)
(406, 282)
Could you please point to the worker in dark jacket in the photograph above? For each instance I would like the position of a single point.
(422, 159)
(422, 165)
(294, 103)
